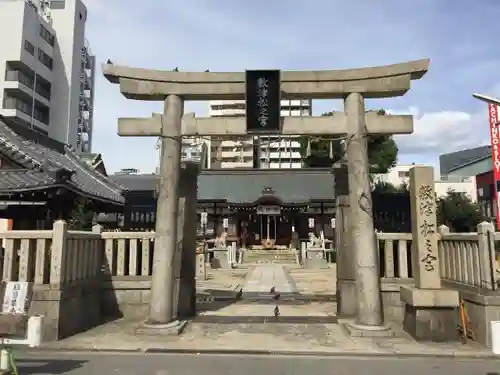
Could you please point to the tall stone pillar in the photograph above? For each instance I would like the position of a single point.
(188, 223)
(363, 237)
(346, 280)
(162, 309)
(430, 311)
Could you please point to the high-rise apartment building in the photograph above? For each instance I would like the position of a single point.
(47, 69)
(256, 151)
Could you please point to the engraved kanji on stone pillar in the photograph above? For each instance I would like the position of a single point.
(425, 260)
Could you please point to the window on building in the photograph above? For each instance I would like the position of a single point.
(45, 59)
(30, 48)
(403, 174)
(47, 36)
(43, 87)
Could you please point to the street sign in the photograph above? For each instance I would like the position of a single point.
(263, 101)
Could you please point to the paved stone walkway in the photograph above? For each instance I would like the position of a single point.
(268, 336)
(299, 339)
(266, 278)
(317, 335)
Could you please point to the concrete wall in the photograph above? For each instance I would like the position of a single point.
(67, 309)
(126, 297)
(482, 306)
(394, 308)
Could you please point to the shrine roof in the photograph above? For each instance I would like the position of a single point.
(38, 166)
(247, 186)
(136, 182)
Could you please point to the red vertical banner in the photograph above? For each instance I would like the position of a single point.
(495, 154)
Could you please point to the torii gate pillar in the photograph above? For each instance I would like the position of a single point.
(166, 260)
(362, 231)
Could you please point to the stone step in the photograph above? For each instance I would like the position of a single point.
(269, 257)
(282, 261)
(276, 256)
(268, 252)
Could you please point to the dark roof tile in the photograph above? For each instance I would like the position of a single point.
(43, 163)
(245, 186)
(136, 182)
(23, 179)
(291, 186)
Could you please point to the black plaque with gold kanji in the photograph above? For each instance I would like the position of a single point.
(263, 97)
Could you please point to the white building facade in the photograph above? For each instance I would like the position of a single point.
(255, 152)
(400, 174)
(47, 69)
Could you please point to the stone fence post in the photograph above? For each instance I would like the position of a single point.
(443, 230)
(58, 252)
(487, 261)
(100, 250)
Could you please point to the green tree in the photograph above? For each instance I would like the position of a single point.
(81, 216)
(382, 151)
(388, 188)
(458, 212)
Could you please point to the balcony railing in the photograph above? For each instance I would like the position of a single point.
(26, 108)
(18, 76)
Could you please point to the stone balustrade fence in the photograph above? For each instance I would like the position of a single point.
(394, 253)
(128, 253)
(57, 256)
(465, 258)
(61, 256)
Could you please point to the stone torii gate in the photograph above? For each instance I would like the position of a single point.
(352, 85)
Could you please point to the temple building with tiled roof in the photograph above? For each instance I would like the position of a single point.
(40, 182)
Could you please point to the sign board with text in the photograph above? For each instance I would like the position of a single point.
(263, 101)
(495, 154)
(17, 297)
(269, 210)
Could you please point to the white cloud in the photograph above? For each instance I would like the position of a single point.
(436, 133)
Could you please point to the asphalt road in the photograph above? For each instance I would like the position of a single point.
(192, 364)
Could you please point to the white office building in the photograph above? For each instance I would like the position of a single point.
(256, 152)
(400, 174)
(47, 69)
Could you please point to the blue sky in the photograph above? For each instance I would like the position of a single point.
(232, 35)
